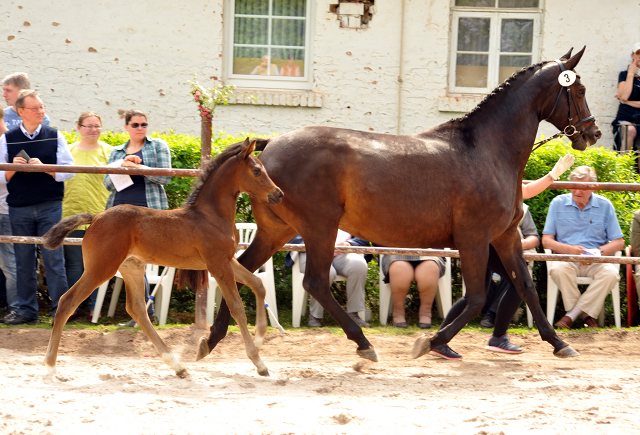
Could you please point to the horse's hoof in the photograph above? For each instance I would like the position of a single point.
(51, 369)
(182, 373)
(203, 349)
(421, 346)
(369, 354)
(566, 352)
(264, 373)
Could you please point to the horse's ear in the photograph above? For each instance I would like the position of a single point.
(568, 55)
(249, 147)
(571, 63)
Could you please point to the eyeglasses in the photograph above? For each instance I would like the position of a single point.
(136, 125)
(92, 127)
(35, 109)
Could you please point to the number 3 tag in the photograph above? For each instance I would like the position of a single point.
(567, 78)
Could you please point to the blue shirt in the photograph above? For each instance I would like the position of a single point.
(63, 155)
(13, 120)
(591, 227)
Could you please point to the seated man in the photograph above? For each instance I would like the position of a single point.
(582, 223)
(530, 241)
(351, 266)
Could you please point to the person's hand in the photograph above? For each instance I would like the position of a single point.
(129, 164)
(633, 68)
(19, 161)
(134, 159)
(561, 166)
(343, 244)
(576, 250)
(36, 161)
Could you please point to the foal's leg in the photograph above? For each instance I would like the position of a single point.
(271, 235)
(255, 284)
(223, 273)
(67, 305)
(132, 271)
(510, 252)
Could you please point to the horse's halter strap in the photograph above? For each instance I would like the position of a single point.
(571, 129)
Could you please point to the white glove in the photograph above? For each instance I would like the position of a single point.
(561, 166)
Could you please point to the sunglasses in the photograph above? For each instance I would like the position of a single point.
(136, 125)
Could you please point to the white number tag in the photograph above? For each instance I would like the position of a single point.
(567, 78)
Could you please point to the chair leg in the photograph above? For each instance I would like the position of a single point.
(552, 298)
(117, 286)
(615, 297)
(529, 317)
(299, 295)
(211, 299)
(102, 292)
(385, 302)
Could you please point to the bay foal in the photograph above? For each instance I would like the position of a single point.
(199, 236)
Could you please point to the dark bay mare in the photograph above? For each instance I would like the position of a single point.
(455, 185)
(200, 236)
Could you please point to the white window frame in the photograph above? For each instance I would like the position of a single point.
(496, 16)
(268, 82)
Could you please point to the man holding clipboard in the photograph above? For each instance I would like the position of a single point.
(35, 202)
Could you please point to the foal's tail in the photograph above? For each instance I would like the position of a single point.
(196, 279)
(55, 236)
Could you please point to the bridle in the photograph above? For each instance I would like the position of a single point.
(571, 129)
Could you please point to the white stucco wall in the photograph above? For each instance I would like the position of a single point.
(146, 50)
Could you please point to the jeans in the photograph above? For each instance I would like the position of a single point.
(74, 265)
(8, 264)
(36, 220)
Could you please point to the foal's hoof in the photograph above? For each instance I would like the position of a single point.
(203, 349)
(566, 352)
(421, 346)
(369, 354)
(182, 373)
(264, 373)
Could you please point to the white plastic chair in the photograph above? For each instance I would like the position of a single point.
(443, 295)
(162, 298)
(552, 295)
(299, 294)
(247, 232)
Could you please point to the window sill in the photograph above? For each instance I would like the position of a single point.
(269, 97)
(462, 104)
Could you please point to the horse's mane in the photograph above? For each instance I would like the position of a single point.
(498, 91)
(211, 167)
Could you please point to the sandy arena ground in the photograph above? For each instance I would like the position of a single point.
(115, 383)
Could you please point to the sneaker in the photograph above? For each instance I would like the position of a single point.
(502, 344)
(11, 315)
(444, 351)
(487, 320)
(361, 323)
(314, 322)
(14, 318)
(132, 323)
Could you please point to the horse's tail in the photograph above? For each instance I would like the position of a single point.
(261, 144)
(55, 236)
(196, 279)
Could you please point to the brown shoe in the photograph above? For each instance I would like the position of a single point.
(565, 322)
(590, 322)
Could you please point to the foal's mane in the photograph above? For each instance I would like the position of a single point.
(212, 166)
(499, 90)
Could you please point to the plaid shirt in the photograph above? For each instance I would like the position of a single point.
(155, 154)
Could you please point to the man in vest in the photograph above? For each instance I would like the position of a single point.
(35, 202)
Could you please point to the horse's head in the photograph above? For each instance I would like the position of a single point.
(253, 178)
(567, 108)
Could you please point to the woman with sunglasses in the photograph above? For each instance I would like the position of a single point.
(146, 190)
(84, 193)
(625, 126)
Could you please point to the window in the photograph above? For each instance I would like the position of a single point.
(492, 39)
(268, 44)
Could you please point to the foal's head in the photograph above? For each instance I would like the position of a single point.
(252, 177)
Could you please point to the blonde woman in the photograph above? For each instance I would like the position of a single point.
(84, 193)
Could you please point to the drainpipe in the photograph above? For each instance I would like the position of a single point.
(400, 69)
